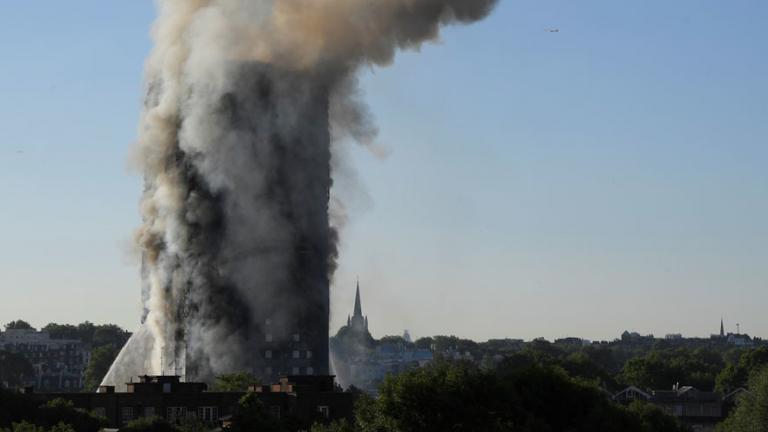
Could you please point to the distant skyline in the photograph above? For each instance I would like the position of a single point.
(610, 176)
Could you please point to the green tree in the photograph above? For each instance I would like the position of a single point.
(751, 413)
(661, 369)
(521, 395)
(15, 408)
(604, 357)
(369, 418)
(98, 366)
(15, 369)
(61, 331)
(62, 427)
(85, 331)
(736, 375)
(234, 382)
(424, 343)
(544, 351)
(59, 411)
(25, 427)
(31, 427)
(653, 419)
(193, 424)
(19, 325)
(336, 426)
(251, 415)
(109, 334)
(580, 365)
(149, 424)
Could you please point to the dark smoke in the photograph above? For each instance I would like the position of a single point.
(235, 145)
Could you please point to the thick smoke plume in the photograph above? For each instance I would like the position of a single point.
(245, 101)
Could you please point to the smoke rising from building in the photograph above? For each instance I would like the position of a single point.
(246, 100)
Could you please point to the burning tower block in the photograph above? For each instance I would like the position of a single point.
(248, 287)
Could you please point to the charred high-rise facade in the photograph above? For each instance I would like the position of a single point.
(289, 314)
(270, 244)
(238, 271)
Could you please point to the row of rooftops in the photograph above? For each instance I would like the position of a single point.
(676, 394)
(157, 384)
(31, 337)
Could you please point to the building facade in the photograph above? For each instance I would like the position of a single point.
(303, 399)
(59, 364)
(699, 410)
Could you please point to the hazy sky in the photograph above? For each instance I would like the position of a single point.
(609, 176)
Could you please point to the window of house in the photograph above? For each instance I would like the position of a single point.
(309, 354)
(268, 354)
(126, 414)
(166, 387)
(296, 337)
(310, 370)
(268, 370)
(268, 337)
(295, 370)
(149, 411)
(324, 411)
(208, 413)
(100, 412)
(296, 354)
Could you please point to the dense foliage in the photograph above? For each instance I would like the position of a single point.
(520, 395)
(95, 335)
(751, 414)
(252, 415)
(149, 424)
(661, 369)
(101, 360)
(15, 369)
(22, 413)
(19, 325)
(707, 364)
(737, 373)
(234, 382)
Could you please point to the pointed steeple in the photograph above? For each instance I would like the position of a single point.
(358, 307)
(722, 328)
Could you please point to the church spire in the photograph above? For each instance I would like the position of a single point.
(358, 307)
(722, 328)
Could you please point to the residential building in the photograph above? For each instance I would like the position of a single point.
(699, 410)
(303, 399)
(59, 364)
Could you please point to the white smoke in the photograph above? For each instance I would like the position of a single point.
(217, 245)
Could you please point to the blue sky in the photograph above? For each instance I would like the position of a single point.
(606, 177)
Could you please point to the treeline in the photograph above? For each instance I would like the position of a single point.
(519, 394)
(22, 413)
(703, 364)
(104, 340)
